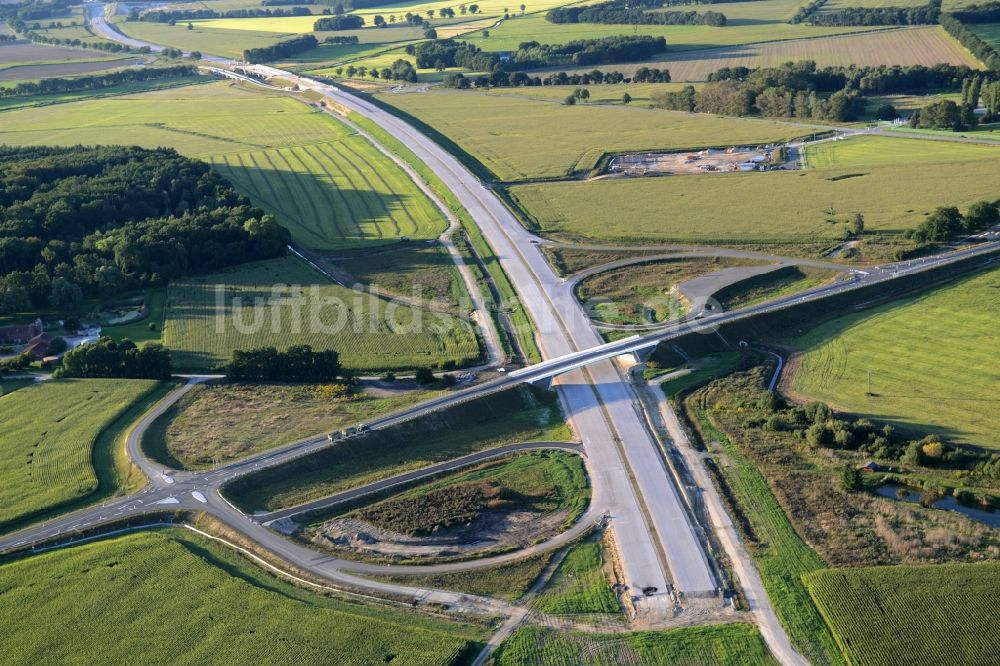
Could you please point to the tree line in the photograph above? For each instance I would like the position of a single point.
(118, 360)
(971, 41)
(946, 223)
(444, 53)
(97, 81)
(286, 49)
(519, 79)
(296, 364)
(342, 22)
(628, 13)
(922, 15)
(285, 3)
(174, 15)
(401, 70)
(78, 222)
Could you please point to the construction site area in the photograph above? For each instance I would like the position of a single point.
(709, 160)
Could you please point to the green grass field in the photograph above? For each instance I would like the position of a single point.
(173, 597)
(335, 195)
(876, 151)
(988, 32)
(941, 614)
(515, 416)
(9, 103)
(579, 584)
(714, 645)
(284, 302)
(328, 185)
(776, 207)
(517, 137)
(236, 420)
(204, 38)
(423, 271)
(933, 359)
(770, 286)
(47, 441)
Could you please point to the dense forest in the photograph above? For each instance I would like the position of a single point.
(78, 222)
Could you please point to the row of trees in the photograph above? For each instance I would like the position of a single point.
(971, 41)
(341, 39)
(286, 49)
(626, 13)
(297, 364)
(922, 15)
(81, 221)
(401, 70)
(120, 360)
(285, 3)
(947, 223)
(97, 81)
(172, 16)
(519, 79)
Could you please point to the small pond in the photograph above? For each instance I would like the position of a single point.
(949, 503)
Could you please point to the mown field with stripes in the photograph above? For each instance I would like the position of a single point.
(335, 194)
(283, 302)
(47, 439)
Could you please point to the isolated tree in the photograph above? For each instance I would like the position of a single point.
(430, 13)
(523, 7)
(424, 376)
(430, 33)
(851, 479)
(195, 55)
(379, 21)
(570, 100)
(473, 9)
(392, 18)
(886, 112)
(486, 33)
(626, 98)
(190, 25)
(857, 224)
(463, 9)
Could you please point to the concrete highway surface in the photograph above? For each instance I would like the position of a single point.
(658, 546)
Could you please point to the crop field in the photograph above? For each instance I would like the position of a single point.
(227, 43)
(11, 74)
(175, 598)
(518, 138)
(425, 272)
(328, 185)
(645, 293)
(235, 420)
(520, 415)
(933, 360)
(47, 441)
(926, 45)
(9, 103)
(713, 645)
(579, 584)
(20, 53)
(782, 557)
(679, 37)
(775, 207)
(988, 32)
(599, 94)
(940, 614)
(283, 302)
(872, 151)
(335, 195)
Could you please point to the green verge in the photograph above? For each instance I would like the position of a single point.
(523, 414)
(780, 553)
(715, 645)
(524, 330)
(940, 614)
(173, 597)
(56, 449)
(579, 584)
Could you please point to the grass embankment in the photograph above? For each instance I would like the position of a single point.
(942, 614)
(781, 555)
(49, 457)
(717, 645)
(933, 360)
(769, 286)
(523, 414)
(739, 208)
(645, 293)
(505, 298)
(519, 138)
(284, 302)
(541, 482)
(696, 371)
(236, 420)
(176, 598)
(579, 585)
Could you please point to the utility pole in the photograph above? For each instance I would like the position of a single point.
(869, 383)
